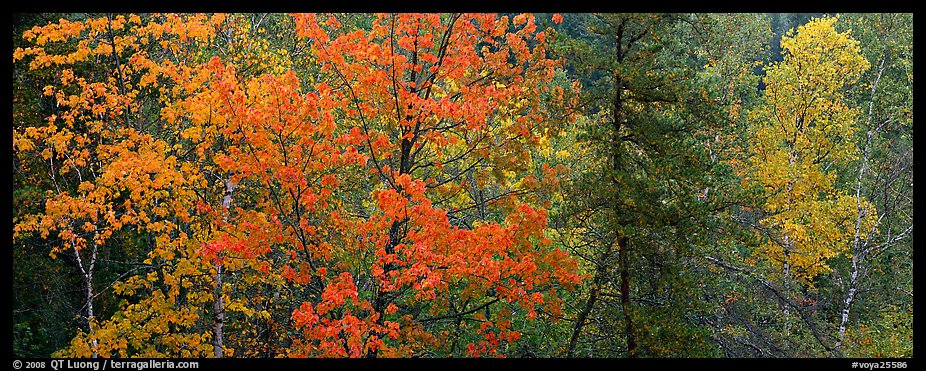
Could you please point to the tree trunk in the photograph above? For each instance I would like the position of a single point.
(616, 142)
(859, 247)
(218, 304)
(88, 281)
(218, 308)
(847, 305)
(625, 297)
(597, 281)
(396, 233)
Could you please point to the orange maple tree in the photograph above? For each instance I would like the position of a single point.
(428, 99)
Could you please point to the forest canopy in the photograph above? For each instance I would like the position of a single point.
(462, 185)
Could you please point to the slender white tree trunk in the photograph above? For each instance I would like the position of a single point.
(219, 302)
(859, 246)
(219, 309)
(88, 281)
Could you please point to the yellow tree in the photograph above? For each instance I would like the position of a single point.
(110, 175)
(802, 133)
(121, 167)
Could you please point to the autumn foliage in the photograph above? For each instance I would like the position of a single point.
(346, 184)
(462, 185)
(804, 128)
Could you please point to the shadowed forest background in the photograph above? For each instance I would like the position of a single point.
(462, 185)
